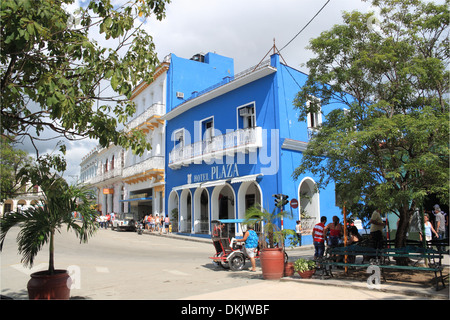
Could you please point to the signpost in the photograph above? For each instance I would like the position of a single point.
(294, 204)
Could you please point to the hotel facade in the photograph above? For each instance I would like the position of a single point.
(221, 142)
(237, 144)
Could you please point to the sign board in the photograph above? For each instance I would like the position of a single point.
(108, 191)
(294, 204)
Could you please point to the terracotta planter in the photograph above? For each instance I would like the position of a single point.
(272, 263)
(49, 287)
(288, 269)
(307, 274)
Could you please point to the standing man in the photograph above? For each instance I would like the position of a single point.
(376, 228)
(440, 221)
(319, 238)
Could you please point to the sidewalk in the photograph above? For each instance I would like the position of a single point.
(415, 291)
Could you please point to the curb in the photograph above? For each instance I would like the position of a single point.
(397, 288)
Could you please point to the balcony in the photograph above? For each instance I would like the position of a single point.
(149, 119)
(150, 169)
(242, 140)
(108, 175)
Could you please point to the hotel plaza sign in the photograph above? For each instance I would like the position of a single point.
(217, 172)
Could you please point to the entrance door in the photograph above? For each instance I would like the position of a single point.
(201, 211)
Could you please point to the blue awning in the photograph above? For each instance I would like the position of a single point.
(136, 199)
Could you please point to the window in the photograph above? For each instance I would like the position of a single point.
(208, 129)
(314, 120)
(179, 138)
(246, 116)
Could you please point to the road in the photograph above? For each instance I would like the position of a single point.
(127, 266)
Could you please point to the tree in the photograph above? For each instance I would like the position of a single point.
(54, 76)
(388, 147)
(11, 161)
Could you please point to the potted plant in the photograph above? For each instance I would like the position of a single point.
(305, 268)
(272, 240)
(40, 223)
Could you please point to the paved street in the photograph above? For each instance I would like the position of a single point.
(127, 266)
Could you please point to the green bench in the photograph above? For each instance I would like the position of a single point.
(335, 256)
(432, 260)
(382, 259)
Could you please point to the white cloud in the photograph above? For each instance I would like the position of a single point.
(244, 29)
(241, 29)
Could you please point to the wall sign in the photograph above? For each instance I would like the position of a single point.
(216, 173)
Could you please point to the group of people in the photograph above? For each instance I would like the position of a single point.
(105, 220)
(156, 223)
(332, 233)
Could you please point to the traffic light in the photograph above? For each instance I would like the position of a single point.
(277, 199)
(284, 199)
(280, 200)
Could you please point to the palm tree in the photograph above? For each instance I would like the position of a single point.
(275, 236)
(40, 223)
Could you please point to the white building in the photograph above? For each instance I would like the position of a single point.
(126, 182)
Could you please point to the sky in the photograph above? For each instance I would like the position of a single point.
(244, 30)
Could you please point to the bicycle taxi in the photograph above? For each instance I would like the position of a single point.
(229, 253)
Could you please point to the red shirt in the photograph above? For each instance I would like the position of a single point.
(318, 232)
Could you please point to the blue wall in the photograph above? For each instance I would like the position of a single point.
(187, 76)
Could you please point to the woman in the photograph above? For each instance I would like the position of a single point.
(251, 245)
(353, 235)
(336, 230)
(428, 229)
(298, 231)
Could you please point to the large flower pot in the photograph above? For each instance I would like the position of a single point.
(272, 263)
(49, 287)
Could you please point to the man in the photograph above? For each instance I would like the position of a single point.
(376, 228)
(440, 221)
(319, 238)
(251, 245)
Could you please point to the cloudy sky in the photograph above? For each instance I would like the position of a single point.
(241, 29)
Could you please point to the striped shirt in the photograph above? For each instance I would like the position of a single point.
(318, 232)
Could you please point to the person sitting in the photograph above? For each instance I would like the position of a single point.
(336, 230)
(353, 239)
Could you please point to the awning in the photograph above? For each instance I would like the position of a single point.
(186, 186)
(136, 199)
(215, 183)
(252, 177)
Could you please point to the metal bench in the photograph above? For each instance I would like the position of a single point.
(381, 258)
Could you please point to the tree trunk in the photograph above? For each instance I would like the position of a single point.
(402, 230)
(51, 263)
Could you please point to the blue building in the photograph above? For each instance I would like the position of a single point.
(233, 140)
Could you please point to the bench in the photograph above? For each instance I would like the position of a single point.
(432, 260)
(335, 257)
(381, 258)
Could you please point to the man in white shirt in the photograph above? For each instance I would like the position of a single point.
(440, 221)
